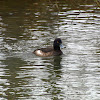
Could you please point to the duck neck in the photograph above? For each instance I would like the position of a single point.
(56, 47)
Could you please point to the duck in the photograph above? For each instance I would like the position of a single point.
(50, 51)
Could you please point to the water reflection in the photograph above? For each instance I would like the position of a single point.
(38, 80)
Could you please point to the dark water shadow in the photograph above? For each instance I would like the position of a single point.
(12, 88)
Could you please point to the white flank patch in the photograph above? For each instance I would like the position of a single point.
(39, 52)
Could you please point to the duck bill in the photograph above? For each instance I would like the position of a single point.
(62, 46)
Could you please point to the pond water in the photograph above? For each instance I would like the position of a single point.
(29, 24)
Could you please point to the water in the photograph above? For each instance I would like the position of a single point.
(26, 25)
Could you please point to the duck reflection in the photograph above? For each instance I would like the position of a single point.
(57, 62)
(54, 69)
